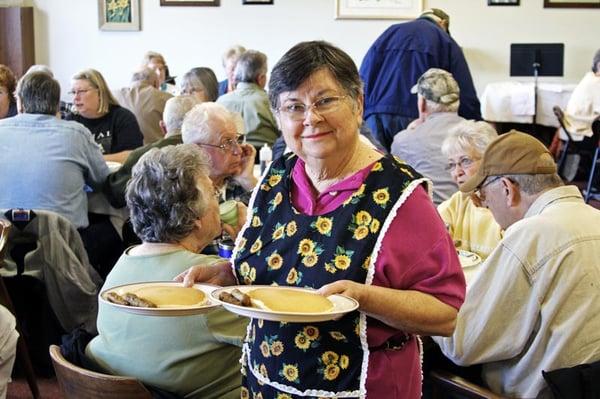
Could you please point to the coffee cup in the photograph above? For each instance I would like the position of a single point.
(228, 212)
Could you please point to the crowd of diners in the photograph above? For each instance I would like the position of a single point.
(381, 173)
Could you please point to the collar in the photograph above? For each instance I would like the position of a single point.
(247, 85)
(562, 193)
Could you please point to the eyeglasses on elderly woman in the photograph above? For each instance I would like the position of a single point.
(463, 163)
(297, 111)
(227, 144)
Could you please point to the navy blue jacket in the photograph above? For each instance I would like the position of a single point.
(400, 56)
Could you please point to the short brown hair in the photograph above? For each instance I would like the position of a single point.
(8, 80)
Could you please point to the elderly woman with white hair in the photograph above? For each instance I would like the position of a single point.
(175, 213)
(473, 228)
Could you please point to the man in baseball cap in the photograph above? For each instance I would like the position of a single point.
(534, 303)
(420, 144)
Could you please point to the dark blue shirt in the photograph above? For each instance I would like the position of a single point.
(400, 56)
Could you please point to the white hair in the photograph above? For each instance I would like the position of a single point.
(469, 136)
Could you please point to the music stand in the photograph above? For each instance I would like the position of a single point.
(536, 59)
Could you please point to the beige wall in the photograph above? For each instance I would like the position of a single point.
(68, 39)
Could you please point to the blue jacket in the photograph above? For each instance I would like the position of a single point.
(400, 56)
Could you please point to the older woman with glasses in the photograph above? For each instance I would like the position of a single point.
(114, 128)
(340, 216)
(201, 83)
(472, 227)
(175, 213)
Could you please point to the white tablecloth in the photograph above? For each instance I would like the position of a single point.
(514, 102)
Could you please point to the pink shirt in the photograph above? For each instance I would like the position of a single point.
(416, 254)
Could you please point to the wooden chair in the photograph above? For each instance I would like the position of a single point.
(22, 350)
(447, 385)
(78, 383)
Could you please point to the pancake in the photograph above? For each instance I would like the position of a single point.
(164, 296)
(285, 300)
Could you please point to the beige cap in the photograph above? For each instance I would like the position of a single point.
(437, 85)
(512, 153)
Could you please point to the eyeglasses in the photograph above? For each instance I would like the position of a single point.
(227, 144)
(323, 106)
(463, 163)
(80, 91)
(479, 193)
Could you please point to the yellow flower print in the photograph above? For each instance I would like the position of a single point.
(278, 233)
(265, 187)
(374, 226)
(256, 246)
(243, 242)
(247, 280)
(274, 179)
(357, 329)
(330, 268)
(291, 228)
(408, 172)
(278, 198)
(290, 372)
(338, 336)
(366, 263)
(323, 225)
(292, 276)
(244, 394)
(264, 349)
(263, 370)
(377, 167)
(260, 323)
(244, 268)
(283, 396)
(276, 348)
(342, 262)
(360, 232)
(311, 332)
(259, 394)
(381, 196)
(256, 221)
(344, 362)
(306, 246)
(301, 341)
(310, 259)
(330, 357)
(252, 274)
(274, 261)
(331, 372)
(360, 191)
(363, 218)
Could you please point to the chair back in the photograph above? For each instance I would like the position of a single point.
(78, 383)
(447, 385)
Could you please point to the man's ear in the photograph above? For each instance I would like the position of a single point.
(163, 126)
(512, 192)
(262, 80)
(421, 105)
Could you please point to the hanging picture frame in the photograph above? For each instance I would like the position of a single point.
(119, 15)
(378, 9)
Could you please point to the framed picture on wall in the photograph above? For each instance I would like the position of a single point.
(503, 2)
(571, 3)
(119, 15)
(378, 9)
(244, 2)
(208, 3)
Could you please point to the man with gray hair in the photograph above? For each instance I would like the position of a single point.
(146, 101)
(250, 99)
(175, 110)
(535, 303)
(420, 144)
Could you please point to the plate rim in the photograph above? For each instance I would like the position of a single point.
(467, 256)
(280, 316)
(174, 311)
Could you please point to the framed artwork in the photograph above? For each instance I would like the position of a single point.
(244, 2)
(378, 9)
(207, 3)
(503, 2)
(119, 15)
(571, 3)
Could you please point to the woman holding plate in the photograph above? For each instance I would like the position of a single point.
(340, 216)
(174, 212)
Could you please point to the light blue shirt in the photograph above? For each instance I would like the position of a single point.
(45, 164)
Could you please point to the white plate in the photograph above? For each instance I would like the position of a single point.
(341, 305)
(468, 259)
(208, 305)
(113, 166)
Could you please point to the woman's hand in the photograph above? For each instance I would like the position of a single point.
(344, 287)
(217, 274)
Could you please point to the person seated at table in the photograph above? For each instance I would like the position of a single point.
(419, 144)
(157, 63)
(200, 82)
(113, 127)
(174, 211)
(229, 59)
(535, 304)
(146, 101)
(340, 216)
(8, 103)
(8, 348)
(472, 226)
(217, 131)
(175, 110)
(584, 105)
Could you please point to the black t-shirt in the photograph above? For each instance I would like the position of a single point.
(115, 132)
